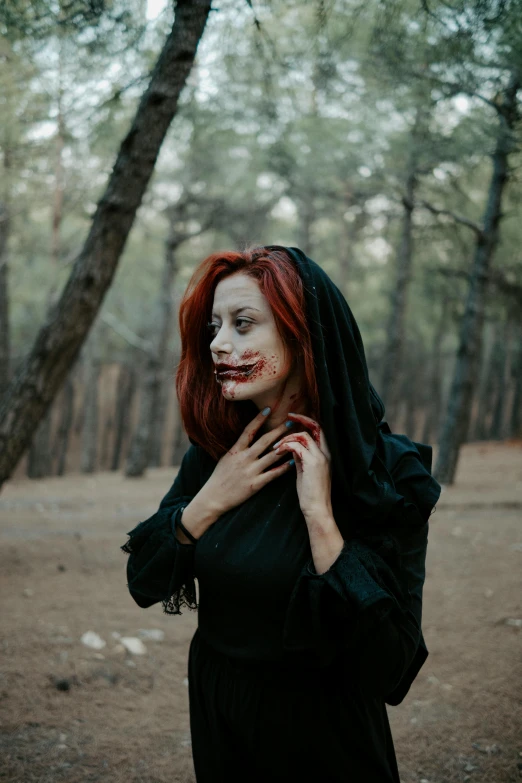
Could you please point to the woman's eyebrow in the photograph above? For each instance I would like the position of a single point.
(239, 310)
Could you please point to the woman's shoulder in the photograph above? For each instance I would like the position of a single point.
(409, 464)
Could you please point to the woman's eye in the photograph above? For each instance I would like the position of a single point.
(212, 327)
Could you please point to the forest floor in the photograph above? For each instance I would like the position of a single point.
(125, 717)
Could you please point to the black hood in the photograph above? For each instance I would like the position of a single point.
(365, 453)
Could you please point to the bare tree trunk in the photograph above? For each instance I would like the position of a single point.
(124, 395)
(496, 431)
(434, 385)
(138, 457)
(90, 410)
(457, 419)
(108, 429)
(392, 361)
(59, 341)
(349, 230)
(166, 310)
(59, 185)
(147, 441)
(39, 462)
(65, 425)
(5, 348)
(40, 457)
(515, 427)
(414, 367)
(485, 386)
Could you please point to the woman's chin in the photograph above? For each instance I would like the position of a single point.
(240, 391)
(235, 391)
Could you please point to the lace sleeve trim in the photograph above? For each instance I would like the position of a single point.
(185, 595)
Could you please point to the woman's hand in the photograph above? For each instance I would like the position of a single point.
(312, 460)
(239, 473)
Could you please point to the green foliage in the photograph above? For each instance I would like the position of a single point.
(300, 124)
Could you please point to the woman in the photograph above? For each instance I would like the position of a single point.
(310, 556)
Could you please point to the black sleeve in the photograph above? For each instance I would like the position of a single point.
(160, 567)
(368, 605)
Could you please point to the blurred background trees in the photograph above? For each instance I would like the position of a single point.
(380, 137)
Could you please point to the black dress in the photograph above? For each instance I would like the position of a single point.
(290, 671)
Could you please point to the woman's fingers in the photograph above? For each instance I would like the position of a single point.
(298, 450)
(316, 431)
(266, 440)
(303, 438)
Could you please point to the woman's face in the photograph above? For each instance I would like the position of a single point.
(250, 358)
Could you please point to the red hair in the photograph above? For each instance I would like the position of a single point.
(209, 419)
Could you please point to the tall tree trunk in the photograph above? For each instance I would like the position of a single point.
(91, 375)
(392, 361)
(148, 437)
(39, 461)
(108, 429)
(124, 395)
(138, 457)
(490, 340)
(496, 431)
(515, 426)
(166, 310)
(59, 185)
(414, 367)
(5, 359)
(65, 424)
(457, 418)
(349, 231)
(434, 385)
(59, 341)
(511, 360)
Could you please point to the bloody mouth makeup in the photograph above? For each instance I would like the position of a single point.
(239, 374)
(251, 367)
(250, 364)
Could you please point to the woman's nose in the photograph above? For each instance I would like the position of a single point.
(221, 343)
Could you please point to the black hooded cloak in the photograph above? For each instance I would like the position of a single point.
(261, 602)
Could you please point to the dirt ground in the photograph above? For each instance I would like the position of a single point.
(72, 713)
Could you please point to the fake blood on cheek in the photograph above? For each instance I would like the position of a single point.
(266, 367)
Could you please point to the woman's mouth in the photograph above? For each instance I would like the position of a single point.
(236, 373)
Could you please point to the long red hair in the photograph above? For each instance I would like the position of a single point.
(209, 419)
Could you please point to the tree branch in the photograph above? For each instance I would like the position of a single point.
(494, 277)
(128, 335)
(462, 219)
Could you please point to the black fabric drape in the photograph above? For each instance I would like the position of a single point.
(351, 410)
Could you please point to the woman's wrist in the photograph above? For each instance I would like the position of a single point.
(197, 517)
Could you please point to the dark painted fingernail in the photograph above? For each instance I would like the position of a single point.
(288, 423)
(291, 461)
